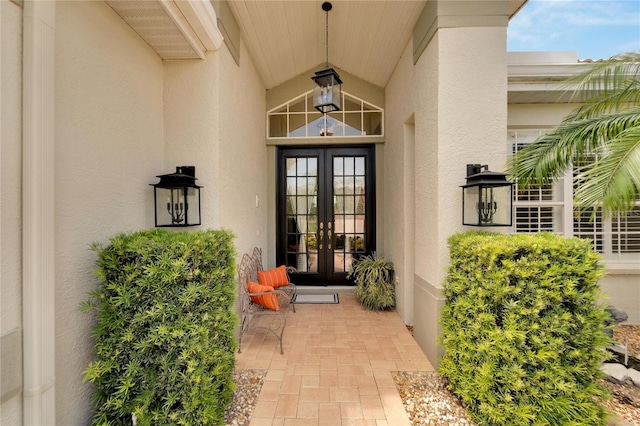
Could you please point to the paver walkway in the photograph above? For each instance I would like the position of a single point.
(336, 368)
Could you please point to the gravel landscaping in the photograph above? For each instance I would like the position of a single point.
(427, 400)
(248, 386)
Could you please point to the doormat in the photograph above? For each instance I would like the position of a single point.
(315, 298)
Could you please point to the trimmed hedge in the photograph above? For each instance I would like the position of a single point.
(523, 331)
(164, 335)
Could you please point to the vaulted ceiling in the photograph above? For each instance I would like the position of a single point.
(286, 38)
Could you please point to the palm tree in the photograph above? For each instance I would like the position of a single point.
(600, 140)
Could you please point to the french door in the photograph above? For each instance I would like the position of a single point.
(326, 211)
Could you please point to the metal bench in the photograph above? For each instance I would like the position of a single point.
(252, 314)
(291, 288)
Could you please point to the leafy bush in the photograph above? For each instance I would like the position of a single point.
(522, 329)
(375, 288)
(164, 336)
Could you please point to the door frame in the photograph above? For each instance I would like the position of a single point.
(331, 277)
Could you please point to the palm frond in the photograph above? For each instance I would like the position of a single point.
(551, 155)
(613, 181)
(606, 128)
(605, 77)
(607, 86)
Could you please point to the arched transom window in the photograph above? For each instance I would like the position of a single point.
(299, 119)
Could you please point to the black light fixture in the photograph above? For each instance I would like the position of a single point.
(327, 86)
(487, 198)
(177, 198)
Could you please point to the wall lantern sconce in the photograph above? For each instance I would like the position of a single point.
(177, 198)
(487, 198)
(327, 86)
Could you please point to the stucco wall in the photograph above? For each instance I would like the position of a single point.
(536, 116)
(192, 127)
(398, 200)
(621, 289)
(10, 209)
(242, 176)
(215, 120)
(457, 92)
(109, 147)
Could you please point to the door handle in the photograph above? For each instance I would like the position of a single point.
(329, 238)
(321, 236)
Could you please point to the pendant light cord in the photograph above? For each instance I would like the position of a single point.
(326, 41)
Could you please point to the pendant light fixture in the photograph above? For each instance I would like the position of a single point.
(327, 86)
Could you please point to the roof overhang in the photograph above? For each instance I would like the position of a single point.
(175, 29)
(540, 77)
(285, 38)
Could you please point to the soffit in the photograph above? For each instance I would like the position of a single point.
(541, 80)
(174, 29)
(286, 38)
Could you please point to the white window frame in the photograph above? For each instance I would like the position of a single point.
(565, 224)
(365, 108)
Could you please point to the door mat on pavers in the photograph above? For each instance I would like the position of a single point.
(315, 298)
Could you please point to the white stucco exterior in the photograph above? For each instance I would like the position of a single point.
(10, 209)
(120, 115)
(108, 147)
(444, 112)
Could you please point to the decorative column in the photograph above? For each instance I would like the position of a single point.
(38, 270)
(460, 57)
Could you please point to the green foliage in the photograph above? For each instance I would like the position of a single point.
(375, 288)
(607, 125)
(523, 331)
(164, 332)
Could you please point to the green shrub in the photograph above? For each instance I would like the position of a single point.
(375, 289)
(522, 329)
(164, 335)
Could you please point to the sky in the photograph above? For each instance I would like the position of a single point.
(596, 29)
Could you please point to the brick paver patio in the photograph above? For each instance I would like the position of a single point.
(336, 368)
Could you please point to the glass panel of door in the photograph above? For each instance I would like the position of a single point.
(302, 213)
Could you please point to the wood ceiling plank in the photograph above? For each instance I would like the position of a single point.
(287, 38)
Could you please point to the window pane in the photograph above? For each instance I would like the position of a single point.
(351, 104)
(626, 232)
(300, 119)
(372, 123)
(298, 106)
(302, 221)
(297, 123)
(353, 124)
(277, 125)
(586, 226)
(535, 193)
(538, 219)
(518, 139)
(360, 170)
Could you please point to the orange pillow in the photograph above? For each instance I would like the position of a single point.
(269, 301)
(276, 277)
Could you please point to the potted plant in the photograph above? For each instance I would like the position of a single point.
(375, 287)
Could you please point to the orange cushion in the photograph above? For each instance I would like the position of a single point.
(276, 277)
(269, 301)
